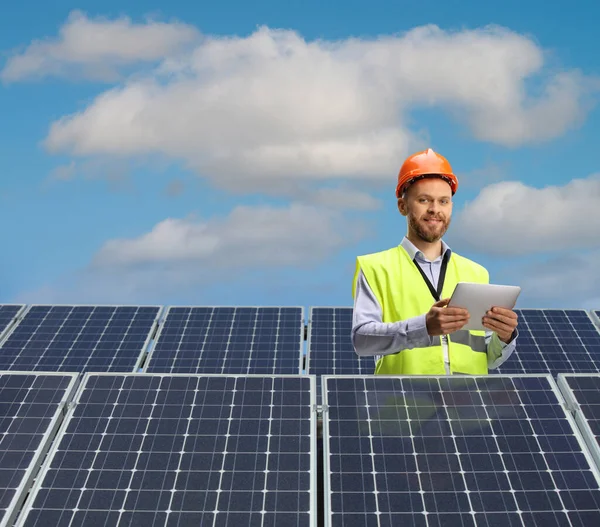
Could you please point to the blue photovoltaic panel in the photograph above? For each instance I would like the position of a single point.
(30, 406)
(330, 350)
(454, 451)
(147, 449)
(256, 340)
(79, 338)
(554, 341)
(8, 312)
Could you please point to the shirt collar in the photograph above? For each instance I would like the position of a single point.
(413, 252)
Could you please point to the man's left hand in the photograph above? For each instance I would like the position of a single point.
(502, 321)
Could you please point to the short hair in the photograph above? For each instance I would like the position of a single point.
(424, 176)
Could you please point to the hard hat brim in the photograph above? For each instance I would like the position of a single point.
(449, 178)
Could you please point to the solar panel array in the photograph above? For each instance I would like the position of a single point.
(261, 340)
(454, 451)
(223, 430)
(555, 341)
(79, 338)
(30, 410)
(8, 313)
(144, 449)
(265, 340)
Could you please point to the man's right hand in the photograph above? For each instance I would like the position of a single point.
(442, 320)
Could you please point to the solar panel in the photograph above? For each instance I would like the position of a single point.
(330, 350)
(454, 451)
(257, 340)
(79, 338)
(8, 313)
(148, 449)
(582, 393)
(554, 341)
(31, 407)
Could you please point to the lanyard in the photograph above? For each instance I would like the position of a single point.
(436, 294)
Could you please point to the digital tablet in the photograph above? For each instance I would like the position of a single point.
(478, 299)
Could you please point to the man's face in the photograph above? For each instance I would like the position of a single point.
(427, 205)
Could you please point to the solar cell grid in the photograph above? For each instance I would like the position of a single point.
(454, 451)
(30, 408)
(8, 312)
(250, 340)
(171, 450)
(554, 341)
(330, 349)
(79, 338)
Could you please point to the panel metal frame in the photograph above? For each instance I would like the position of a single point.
(595, 318)
(143, 351)
(22, 491)
(180, 306)
(588, 454)
(309, 331)
(16, 319)
(575, 408)
(43, 471)
(548, 310)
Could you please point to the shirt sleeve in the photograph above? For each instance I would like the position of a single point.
(371, 336)
(499, 352)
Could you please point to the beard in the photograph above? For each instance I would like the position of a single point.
(426, 232)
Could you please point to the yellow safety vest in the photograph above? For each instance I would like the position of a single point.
(402, 293)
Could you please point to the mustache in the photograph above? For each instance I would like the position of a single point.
(440, 217)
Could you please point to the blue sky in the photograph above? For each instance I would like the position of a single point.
(245, 154)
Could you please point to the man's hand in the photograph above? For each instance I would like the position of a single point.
(442, 320)
(502, 321)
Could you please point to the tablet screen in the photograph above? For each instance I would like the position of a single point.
(478, 299)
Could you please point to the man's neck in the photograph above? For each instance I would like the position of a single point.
(430, 250)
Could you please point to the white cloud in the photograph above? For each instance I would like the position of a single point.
(344, 198)
(570, 280)
(485, 175)
(564, 104)
(116, 172)
(96, 48)
(511, 218)
(272, 111)
(190, 258)
(298, 236)
(85, 286)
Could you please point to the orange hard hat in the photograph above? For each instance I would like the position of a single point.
(425, 164)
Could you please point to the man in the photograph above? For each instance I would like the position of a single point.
(400, 295)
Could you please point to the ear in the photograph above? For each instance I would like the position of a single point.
(402, 206)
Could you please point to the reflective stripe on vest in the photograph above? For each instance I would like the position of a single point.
(402, 293)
